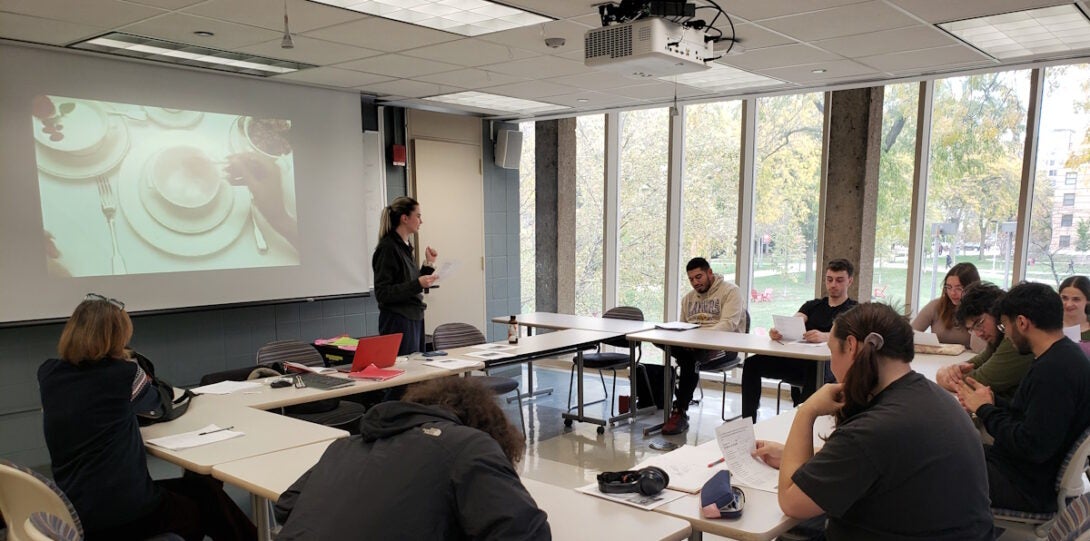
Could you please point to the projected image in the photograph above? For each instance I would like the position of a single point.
(132, 189)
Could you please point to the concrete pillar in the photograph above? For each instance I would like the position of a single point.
(554, 229)
(854, 149)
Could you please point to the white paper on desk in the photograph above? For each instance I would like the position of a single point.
(489, 355)
(494, 347)
(227, 387)
(635, 499)
(921, 338)
(1074, 333)
(448, 270)
(737, 442)
(676, 326)
(203, 436)
(791, 327)
(450, 363)
(687, 467)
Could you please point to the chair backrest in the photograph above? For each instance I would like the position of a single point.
(289, 350)
(1073, 523)
(1074, 467)
(43, 526)
(623, 312)
(456, 335)
(746, 320)
(23, 492)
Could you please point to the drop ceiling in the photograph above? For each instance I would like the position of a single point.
(797, 43)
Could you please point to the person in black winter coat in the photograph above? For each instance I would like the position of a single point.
(437, 465)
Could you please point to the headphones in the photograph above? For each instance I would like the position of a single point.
(647, 481)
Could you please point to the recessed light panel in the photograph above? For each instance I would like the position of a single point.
(495, 102)
(1025, 33)
(188, 55)
(721, 78)
(465, 17)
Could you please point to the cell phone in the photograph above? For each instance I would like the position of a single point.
(437, 353)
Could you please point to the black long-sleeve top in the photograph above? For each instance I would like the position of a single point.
(397, 280)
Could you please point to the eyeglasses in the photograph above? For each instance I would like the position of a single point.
(97, 297)
(977, 325)
(953, 289)
(1001, 328)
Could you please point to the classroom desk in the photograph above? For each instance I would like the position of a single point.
(571, 516)
(929, 364)
(553, 321)
(730, 341)
(762, 518)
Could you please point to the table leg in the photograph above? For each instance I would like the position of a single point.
(633, 385)
(261, 517)
(820, 374)
(579, 416)
(530, 393)
(667, 392)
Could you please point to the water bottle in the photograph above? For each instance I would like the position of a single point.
(512, 331)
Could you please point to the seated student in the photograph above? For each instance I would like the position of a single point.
(1074, 291)
(938, 315)
(714, 304)
(90, 396)
(436, 465)
(1000, 366)
(903, 463)
(818, 315)
(1036, 428)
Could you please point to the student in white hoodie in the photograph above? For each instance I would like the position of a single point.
(714, 304)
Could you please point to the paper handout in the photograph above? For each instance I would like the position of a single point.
(203, 436)
(737, 442)
(791, 327)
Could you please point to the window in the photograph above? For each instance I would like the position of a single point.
(641, 257)
(977, 142)
(1066, 220)
(709, 197)
(1069, 199)
(1070, 177)
(1051, 172)
(1065, 241)
(895, 169)
(788, 176)
(590, 186)
(527, 219)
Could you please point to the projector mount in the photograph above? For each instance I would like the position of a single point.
(677, 11)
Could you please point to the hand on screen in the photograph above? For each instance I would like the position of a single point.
(53, 257)
(261, 175)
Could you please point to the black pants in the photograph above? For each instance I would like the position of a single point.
(797, 372)
(688, 361)
(412, 332)
(1006, 495)
(192, 507)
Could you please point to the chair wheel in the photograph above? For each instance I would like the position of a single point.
(567, 423)
(601, 430)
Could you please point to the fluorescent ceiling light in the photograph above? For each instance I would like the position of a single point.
(722, 78)
(465, 17)
(495, 102)
(1025, 33)
(188, 55)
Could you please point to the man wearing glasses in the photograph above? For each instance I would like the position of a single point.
(1040, 424)
(1000, 366)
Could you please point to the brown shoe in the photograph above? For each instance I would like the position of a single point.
(676, 424)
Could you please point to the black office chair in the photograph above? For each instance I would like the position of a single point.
(457, 335)
(722, 363)
(608, 360)
(332, 412)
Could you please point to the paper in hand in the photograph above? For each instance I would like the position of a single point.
(737, 442)
(791, 327)
(448, 270)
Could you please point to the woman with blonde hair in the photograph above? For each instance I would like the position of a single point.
(90, 398)
(865, 478)
(399, 284)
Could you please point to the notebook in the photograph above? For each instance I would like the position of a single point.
(380, 351)
(375, 373)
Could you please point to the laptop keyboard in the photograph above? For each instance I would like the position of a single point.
(320, 381)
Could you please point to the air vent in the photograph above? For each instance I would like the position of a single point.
(614, 42)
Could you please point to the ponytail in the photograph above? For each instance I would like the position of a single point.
(880, 332)
(392, 213)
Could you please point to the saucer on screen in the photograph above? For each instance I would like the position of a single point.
(173, 118)
(84, 130)
(73, 166)
(168, 215)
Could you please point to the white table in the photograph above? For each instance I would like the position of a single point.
(930, 364)
(729, 341)
(571, 515)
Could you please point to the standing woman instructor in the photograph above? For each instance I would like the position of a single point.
(399, 285)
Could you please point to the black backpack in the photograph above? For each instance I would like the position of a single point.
(170, 407)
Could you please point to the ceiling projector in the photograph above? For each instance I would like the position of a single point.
(648, 47)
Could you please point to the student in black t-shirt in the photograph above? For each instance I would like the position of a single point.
(818, 315)
(1037, 427)
(90, 397)
(903, 463)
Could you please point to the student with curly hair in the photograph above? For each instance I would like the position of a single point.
(437, 465)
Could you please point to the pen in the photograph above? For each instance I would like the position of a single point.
(717, 462)
(214, 431)
(780, 343)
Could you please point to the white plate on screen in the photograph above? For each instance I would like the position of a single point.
(169, 240)
(185, 220)
(72, 166)
(173, 118)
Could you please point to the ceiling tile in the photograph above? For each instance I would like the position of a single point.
(167, 4)
(26, 28)
(835, 70)
(530, 90)
(334, 77)
(302, 15)
(755, 10)
(658, 91)
(840, 21)
(310, 51)
(594, 100)
(597, 80)
(469, 78)
(382, 34)
(532, 38)
(774, 57)
(888, 41)
(539, 67)
(925, 59)
(558, 9)
(106, 14)
(396, 65)
(180, 27)
(752, 36)
(470, 52)
(408, 88)
(941, 11)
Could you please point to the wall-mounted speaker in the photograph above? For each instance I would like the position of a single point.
(508, 148)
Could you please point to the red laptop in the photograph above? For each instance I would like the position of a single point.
(380, 351)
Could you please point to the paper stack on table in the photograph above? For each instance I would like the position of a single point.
(203, 436)
(450, 363)
(226, 387)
